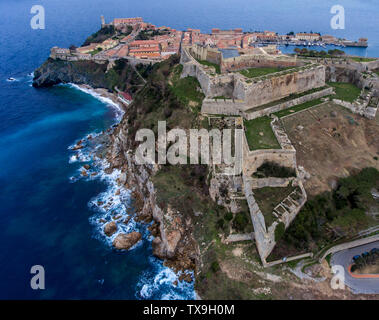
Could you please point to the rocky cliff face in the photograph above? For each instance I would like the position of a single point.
(173, 240)
(53, 72)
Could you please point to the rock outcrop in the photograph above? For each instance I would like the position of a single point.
(125, 241)
(110, 228)
(53, 72)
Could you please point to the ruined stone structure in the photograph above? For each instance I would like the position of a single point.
(287, 210)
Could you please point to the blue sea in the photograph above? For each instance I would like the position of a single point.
(48, 210)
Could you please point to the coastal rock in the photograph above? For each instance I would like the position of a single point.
(53, 72)
(126, 221)
(159, 248)
(154, 229)
(77, 147)
(110, 228)
(173, 237)
(126, 241)
(186, 277)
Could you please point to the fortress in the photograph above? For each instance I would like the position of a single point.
(241, 93)
(231, 90)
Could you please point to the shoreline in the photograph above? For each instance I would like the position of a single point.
(103, 95)
(116, 179)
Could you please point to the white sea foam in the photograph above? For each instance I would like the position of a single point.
(159, 285)
(116, 202)
(109, 102)
(11, 79)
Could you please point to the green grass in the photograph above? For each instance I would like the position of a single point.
(221, 98)
(258, 72)
(254, 127)
(358, 59)
(96, 51)
(327, 258)
(268, 198)
(210, 64)
(345, 91)
(297, 108)
(186, 89)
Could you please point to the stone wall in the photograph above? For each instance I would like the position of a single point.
(265, 236)
(206, 53)
(270, 182)
(254, 159)
(212, 86)
(288, 104)
(256, 61)
(224, 107)
(277, 87)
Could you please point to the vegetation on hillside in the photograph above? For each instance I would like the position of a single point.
(166, 97)
(124, 77)
(150, 34)
(304, 52)
(210, 64)
(101, 35)
(340, 213)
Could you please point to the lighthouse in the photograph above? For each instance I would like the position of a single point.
(102, 22)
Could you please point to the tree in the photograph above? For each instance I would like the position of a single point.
(279, 231)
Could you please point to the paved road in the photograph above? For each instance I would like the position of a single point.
(344, 258)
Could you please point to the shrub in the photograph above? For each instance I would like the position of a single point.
(240, 221)
(272, 169)
(228, 216)
(279, 231)
(215, 267)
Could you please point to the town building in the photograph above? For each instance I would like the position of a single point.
(308, 36)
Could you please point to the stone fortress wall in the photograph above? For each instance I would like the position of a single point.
(249, 93)
(287, 210)
(257, 61)
(276, 87)
(206, 54)
(240, 96)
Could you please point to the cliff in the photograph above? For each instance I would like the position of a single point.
(163, 194)
(120, 74)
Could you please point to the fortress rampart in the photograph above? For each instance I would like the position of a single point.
(253, 92)
(257, 61)
(276, 87)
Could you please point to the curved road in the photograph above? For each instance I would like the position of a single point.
(344, 258)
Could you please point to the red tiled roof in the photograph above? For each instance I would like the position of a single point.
(126, 96)
(142, 42)
(147, 49)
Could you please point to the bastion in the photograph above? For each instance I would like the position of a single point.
(241, 93)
